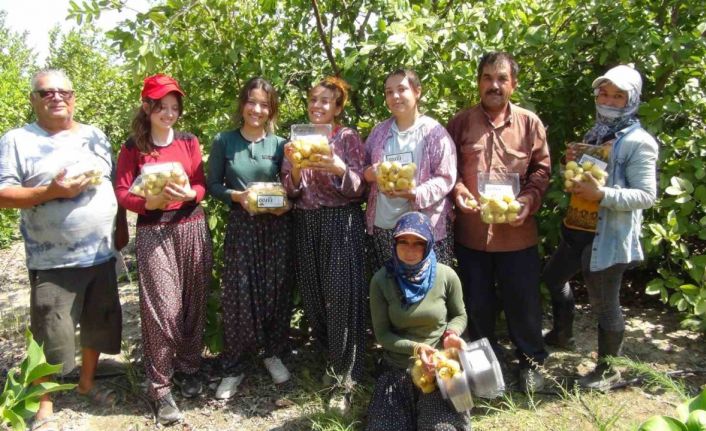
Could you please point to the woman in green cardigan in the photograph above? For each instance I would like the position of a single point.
(416, 305)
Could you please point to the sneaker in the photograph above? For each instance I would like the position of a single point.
(189, 384)
(531, 380)
(277, 370)
(228, 386)
(167, 410)
(340, 403)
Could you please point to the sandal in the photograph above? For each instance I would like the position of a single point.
(101, 396)
(38, 423)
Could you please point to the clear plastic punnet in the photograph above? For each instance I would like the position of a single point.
(155, 176)
(266, 197)
(497, 192)
(82, 169)
(590, 161)
(310, 143)
(482, 369)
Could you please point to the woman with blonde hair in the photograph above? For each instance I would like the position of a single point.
(329, 227)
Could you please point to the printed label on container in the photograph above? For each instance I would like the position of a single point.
(596, 162)
(498, 189)
(270, 201)
(401, 158)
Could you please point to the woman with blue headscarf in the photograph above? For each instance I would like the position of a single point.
(416, 305)
(602, 240)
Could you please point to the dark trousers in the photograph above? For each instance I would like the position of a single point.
(516, 275)
(573, 256)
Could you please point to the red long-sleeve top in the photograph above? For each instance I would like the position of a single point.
(183, 149)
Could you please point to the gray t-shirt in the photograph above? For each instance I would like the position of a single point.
(62, 233)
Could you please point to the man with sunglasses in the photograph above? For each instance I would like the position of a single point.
(57, 171)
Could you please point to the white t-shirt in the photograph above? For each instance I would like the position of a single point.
(62, 233)
(404, 146)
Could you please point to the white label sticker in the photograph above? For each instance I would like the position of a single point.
(270, 201)
(498, 190)
(402, 158)
(596, 162)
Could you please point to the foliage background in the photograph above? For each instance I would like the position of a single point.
(213, 46)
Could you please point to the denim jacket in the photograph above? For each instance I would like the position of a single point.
(631, 187)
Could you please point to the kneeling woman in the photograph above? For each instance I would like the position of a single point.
(416, 306)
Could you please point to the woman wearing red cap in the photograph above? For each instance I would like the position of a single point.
(173, 245)
(257, 263)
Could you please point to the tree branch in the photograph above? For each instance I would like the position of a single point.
(447, 9)
(361, 31)
(322, 35)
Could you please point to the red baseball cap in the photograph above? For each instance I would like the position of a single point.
(157, 86)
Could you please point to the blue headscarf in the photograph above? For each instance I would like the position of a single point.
(414, 281)
(611, 120)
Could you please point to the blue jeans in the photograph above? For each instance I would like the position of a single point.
(516, 274)
(573, 256)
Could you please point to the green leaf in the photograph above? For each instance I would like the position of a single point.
(689, 289)
(696, 421)
(700, 194)
(212, 221)
(43, 370)
(696, 403)
(662, 423)
(18, 424)
(700, 307)
(654, 286)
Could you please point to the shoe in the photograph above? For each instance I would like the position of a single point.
(340, 403)
(561, 335)
(531, 380)
(167, 410)
(228, 386)
(277, 370)
(603, 377)
(189, 384)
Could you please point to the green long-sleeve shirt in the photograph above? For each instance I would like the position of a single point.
(398, 328)
(234, 162)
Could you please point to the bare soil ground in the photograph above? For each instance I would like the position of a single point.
(653, 336)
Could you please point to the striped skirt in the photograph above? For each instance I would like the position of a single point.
(257, 284)
(174, 262)
(330, 278)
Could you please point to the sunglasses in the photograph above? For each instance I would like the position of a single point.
(51, 93)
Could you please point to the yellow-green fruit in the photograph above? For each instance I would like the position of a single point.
(568, 184)
(306, 150)
(587, 166)
(500, 218)
(571, 166)
(396, 166)
(511, 217)
(390, 186)
(137, 190)
(315, 157)
(514, 207)
(483, 199)
(407, 171)
(471, 203)
(402, 184)
(487, 218)
(508, 198)
(297, 156)
(384, 167)
(569, 174)
(578, 171)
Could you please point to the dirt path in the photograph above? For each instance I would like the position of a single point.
(652, 336)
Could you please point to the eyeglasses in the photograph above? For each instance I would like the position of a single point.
(51, 93)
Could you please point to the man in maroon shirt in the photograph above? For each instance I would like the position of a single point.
(498, 137)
